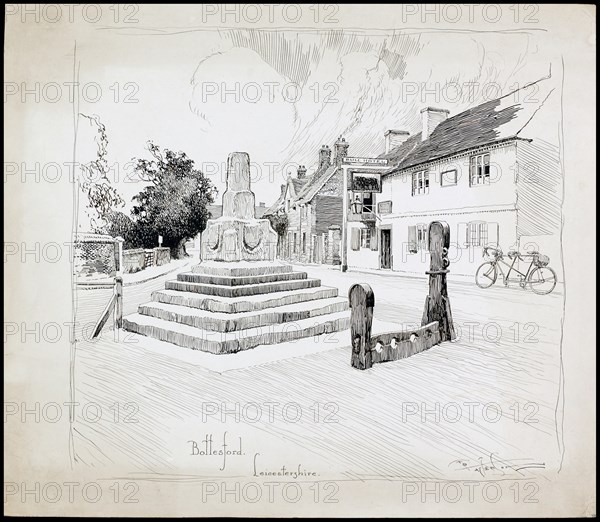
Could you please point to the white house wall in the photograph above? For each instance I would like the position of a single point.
(493, 203)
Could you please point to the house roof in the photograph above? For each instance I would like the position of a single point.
(305, 189)
(496, 120)
(315, 184)
(295, 184)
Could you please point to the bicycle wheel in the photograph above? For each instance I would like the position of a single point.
(542, 280)
(486, 275)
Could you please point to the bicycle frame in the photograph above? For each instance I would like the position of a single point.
(511, 268)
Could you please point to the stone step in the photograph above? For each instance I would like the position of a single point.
(245, 304)
(190, 277)
(231, 342)
(241, 291)
(222, 322)
(241, 268)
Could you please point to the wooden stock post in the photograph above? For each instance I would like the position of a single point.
(368, 349)
(362, 301)
(437, 303)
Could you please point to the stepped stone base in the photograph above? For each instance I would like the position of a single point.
(241, 268)
(225, 308)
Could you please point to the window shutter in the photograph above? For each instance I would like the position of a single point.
(374, 237)
(412, 238)
(462, 235)
(355, 239)
(493, 233)
(472, 170)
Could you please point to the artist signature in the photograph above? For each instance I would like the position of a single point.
(493, 465)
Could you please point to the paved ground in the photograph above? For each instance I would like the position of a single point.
(488, 398)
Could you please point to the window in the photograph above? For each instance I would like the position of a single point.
(449, 178)
(295, 242)
(367, 198)
(363, 203)
(422, 237)
(420, 183)
(479, 170)
(304, 242)
(478, 233)
(365, 238)
(417, 238)
(287, 205)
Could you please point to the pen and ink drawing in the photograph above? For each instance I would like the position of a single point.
(389, 309)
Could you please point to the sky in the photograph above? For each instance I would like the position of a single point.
(281, 95)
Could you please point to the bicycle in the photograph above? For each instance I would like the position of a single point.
(539, 276)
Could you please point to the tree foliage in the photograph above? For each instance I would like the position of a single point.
(175, 203)
(279, 223)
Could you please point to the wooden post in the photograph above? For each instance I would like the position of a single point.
(119, 284)
(118, 302)
(119, 255)
(437, 303)
(362, 301)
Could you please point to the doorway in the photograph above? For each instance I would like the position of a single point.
(385, 256)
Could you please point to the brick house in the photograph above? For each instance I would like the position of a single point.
(313, 205)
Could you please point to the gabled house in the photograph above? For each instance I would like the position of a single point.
(313, 205)
(480, 171)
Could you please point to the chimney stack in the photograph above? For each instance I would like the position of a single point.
(324, 157)
(301, 172)
(431, 118)
(393, 138)
(341, 150)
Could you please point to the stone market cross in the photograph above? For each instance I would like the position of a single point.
(239, 297)
(237, 235)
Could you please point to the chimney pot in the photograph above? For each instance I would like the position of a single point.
(301, 172)
(324, 157)
(431, 118)
(341, 150)
(394, 138)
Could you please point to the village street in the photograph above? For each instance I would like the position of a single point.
(417, 417)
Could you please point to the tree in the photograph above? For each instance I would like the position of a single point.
(279, 223)
(102, 196)
(175, 203)
(122, 225)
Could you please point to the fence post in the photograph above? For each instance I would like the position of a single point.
(119, 283)
(118, 255)
(362, 301)
(437, 303)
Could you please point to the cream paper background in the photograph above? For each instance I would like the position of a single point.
(40, 292)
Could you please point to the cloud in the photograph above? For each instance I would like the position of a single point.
(347, 84)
